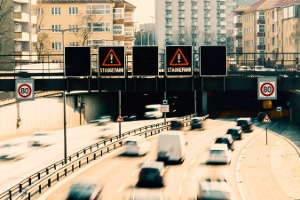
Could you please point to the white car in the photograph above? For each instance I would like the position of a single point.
(219, 154)
(136, 145)
(214, 188)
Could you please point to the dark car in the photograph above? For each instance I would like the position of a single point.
(226, 139)
(261, 115)
(152, 174)
(130, 117)
(177, 125)
(85, 190)
(245, 123)
(197, 123)
(235, 132)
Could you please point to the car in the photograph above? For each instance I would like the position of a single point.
(130, 117)
(101, 120)
(152, 174)
(213, 188)
(197, 123)
(226, 139)
(176, 125)
(83, 189)
(261, 115)
(245, 123)
(236, 132)
(147, 194)
(12, 149)
(136, 145)
(42, 138)
(219, 154)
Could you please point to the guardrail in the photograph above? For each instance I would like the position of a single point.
(45, 178)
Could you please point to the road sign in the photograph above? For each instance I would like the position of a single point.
(111, 61)
(267, 89)
(179, 60)
(77, 61)
(278, 108)
(165, 108)
(165, 101)
(213, 61)
(267, 118)
(145, 60)
(24, 89)
(120, 118)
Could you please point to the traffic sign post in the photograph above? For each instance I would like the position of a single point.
(24, 89)
(267, 88)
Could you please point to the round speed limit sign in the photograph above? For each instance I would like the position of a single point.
(24, 89)
(267, 88)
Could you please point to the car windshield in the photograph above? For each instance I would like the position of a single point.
(216, 151)
(132, 143)
(221, 140)
(149, 173)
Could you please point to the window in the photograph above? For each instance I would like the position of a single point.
(118, 29)
(40, 11)
(55, 11)
(98, 9)
(73, 28)
(73, 10)
(56, 28)
(56, 46)
(74, 44)
(118, 13)
(99, 27)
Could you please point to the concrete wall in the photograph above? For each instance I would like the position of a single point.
(47, 113)
(295, 107)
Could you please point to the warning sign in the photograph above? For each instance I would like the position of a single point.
(111, 61)
(179, 60)
(266, 118)
(120, 118)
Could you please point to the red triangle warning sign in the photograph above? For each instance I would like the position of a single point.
(179, 59)
(266, 118)
(111, 60)
(120, 118)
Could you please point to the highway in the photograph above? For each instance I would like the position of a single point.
(119, 173)
(36, 158)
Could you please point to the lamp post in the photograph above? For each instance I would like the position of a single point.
(141, 33)
(62, 31)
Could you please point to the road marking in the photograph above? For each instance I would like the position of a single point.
(192, 162)
(134, 172)
(180, 190)
(184, 175)
(121, 188)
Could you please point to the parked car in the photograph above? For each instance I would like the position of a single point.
(219, 154)
(236, 132)
(197, 123)
(226, 139)
(84, 189)
(153, 174)
(136, 145)
(177, 125)
(245, 123)
(214, 188)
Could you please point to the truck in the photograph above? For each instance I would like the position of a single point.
(153, 111)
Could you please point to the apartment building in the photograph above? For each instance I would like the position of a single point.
(92, 23)
(269, 32)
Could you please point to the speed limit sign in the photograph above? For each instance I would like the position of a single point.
(267, 88)
(24, 89)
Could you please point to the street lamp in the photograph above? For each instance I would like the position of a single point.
(62, 31)
(141, 33)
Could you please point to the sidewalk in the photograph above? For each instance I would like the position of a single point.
(270, 167)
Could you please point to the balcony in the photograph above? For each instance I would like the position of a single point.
(181, 16)
(169, 8)
(21, 36)
(195, 16)
(21, 1)
(169, 16)
(238, 25)
(181, 24)
(181, 8)
(21, 17)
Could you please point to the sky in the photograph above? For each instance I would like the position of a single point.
(144, 10)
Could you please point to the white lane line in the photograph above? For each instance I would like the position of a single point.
(184, 175)
(121, 188)
(192, 162)
(180, 190)
(134, 172)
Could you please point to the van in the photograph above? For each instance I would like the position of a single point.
(153, 111)
(171, 146)
(136, 145)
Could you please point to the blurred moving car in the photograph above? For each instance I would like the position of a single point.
(153, 111)
(153, 174)
(213, 188)
(40, 139)
(245, 123)
(176, 125)
(197, 123)
(219, 154)
(136, 145)
(12, 149)
(85, 189)
(236, 132)
(147, 194)
(101, 120)
(226, 139)
(130, 117)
